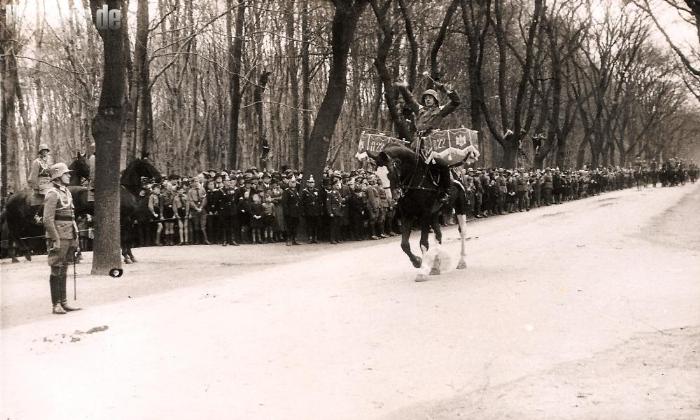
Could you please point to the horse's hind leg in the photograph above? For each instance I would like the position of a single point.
(22, 245)
(435, 224)
(462, 220)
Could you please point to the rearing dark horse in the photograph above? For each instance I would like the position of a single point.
(418, 203)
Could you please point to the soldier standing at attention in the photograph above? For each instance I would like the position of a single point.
(61, 235)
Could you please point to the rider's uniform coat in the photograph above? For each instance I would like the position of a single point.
(39, 175)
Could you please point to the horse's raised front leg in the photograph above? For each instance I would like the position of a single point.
(406, 226)
(462, 220)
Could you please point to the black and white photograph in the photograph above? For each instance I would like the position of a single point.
(349, 209)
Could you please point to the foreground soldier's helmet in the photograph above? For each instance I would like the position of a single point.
(42, 147)
(432, 93)
(59, 169)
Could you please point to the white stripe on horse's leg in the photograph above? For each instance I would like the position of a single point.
(462, 220)
(435, 269)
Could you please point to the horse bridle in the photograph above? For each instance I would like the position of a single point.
(406, 186)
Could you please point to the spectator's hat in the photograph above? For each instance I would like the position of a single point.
(42, 147)
(311, 180)
(265, 175)
(59, 169)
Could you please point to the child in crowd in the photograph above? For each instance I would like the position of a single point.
(182, 213)
(256, 219)
(268, 219)
(167, 199)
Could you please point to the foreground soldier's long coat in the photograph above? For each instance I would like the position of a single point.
(59, 222)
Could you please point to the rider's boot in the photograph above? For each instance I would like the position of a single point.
(445, 182)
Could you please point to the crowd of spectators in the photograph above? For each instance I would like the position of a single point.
(257, 207)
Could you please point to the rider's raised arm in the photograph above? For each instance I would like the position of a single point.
(452, 105)
(408, 97)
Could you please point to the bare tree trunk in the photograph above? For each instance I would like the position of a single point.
(8, 71)
(385, 41)
(435, 71)
(347, 13)
(145, 108)
(107, 131)
(476, 36)
(260, 114)
(292, 69)
(305, 78)
(234, 66)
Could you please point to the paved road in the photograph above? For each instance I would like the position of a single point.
(583, 310)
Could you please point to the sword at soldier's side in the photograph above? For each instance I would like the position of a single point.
(75, 288)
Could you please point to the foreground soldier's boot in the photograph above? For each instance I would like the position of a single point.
(55, 295)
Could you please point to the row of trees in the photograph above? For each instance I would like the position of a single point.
(210, 84)
(218, 83)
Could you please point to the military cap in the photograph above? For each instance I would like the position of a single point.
(58, 169)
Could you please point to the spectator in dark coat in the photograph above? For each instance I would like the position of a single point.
(312, 209)
(335, 205)
(291, 203)
(229, 213)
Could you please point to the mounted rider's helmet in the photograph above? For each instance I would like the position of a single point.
(42, 147)
(432, 93)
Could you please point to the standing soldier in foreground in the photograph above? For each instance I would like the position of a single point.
(61, 234)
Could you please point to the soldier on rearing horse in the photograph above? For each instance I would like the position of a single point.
(429, 114)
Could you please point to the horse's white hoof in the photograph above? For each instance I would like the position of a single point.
(421, 277)
(462, 265)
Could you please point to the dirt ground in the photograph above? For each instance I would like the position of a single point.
(585, 310)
